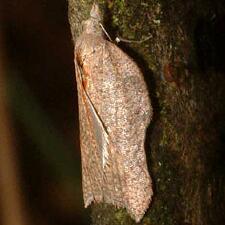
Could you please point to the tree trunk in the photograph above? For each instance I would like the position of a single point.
(183, 64)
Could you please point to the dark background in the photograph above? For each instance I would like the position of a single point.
(41, 88)
(37, 57)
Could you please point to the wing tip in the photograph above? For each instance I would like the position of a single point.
(138, 213)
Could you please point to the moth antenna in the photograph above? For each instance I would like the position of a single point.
(119, 39)
(105, 32)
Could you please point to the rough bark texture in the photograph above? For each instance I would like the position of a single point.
(183, 63)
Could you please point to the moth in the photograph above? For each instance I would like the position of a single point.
(114, 112)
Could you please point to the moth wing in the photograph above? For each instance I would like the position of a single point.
(134, 113)
(118, 107)
(94, 144)
(101, 175)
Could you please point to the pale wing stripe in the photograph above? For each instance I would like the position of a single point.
(102, 138)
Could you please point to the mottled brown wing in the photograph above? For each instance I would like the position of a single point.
(134, 113)
(92, 139)
(118, 93)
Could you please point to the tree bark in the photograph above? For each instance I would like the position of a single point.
(183, 64)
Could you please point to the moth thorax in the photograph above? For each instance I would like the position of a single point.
(92, 26)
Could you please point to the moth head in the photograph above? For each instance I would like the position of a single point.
(95, 12)
(92, 24)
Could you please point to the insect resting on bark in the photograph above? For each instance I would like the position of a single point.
(114, 113)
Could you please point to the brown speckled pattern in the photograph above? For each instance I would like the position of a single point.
(113, 99)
